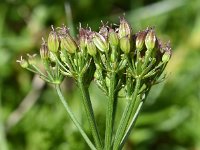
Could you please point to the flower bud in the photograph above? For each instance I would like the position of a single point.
(140, 40)
(100, 42)
(103, 31)
(124, 28)
(91, 48)
(82, 43)
(68, 43)
(166, 56)
(82, 37)
(113, 38)
(107, 82)
(32, 59)
(125, 44)
(150, 39)
(167, 53)
(63, 57)
(23, 62)
(113, 56)
(53, 42)
(44, 51)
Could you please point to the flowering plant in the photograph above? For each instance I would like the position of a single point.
(117, 60)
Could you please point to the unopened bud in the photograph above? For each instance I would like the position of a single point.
(23, 62)
(107, 82)
(53, 42)
(103, 31)
(124, 28)
(113, 56)
(63, 57)
(44, 51)
(166, 56)
(91, 48)
(97, 75)
(100, 42)
(125, 44)
(167, 53)
(32, 59)
(67, 43)
(113, 38)
(82, 43)
(82, 37)
(150, 39)
(140, 40)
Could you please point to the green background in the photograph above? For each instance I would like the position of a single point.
(32, 118)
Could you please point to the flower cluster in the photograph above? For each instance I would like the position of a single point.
(115, 58)
(111, 49)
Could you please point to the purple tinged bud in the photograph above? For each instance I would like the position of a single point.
(103, 31)
(53, 41)
(44, 51)
(113, 38)
(82, 37)
(68, 43)
(82, 43)
(100, 42)
(167, 53)
(124, 28)
(150, 39)
(140, 40)
(125, 44)
(91, 48)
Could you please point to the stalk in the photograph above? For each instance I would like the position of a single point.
(72, 117)
(126, 117)
(110, 112)
(136, 112)
(90, 113)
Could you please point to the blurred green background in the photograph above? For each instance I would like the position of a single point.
(31, 117)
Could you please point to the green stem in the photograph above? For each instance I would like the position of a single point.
(147, 56)
(131, 65)
(3, 140)
(110, 112)
(126, 117)
(136, 112)
(90, 113)
(72, 117)
(42, 76)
